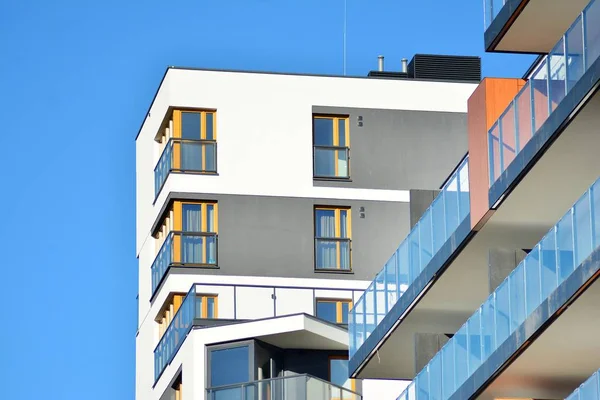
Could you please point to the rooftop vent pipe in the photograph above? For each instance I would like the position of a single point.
(380, 63)
(404, 65)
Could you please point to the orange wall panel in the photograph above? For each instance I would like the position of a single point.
(486, 104)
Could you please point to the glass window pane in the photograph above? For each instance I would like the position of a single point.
(210, 157)
(583, 229)
(327, 254)
(342, 132)
(325, 223)
(210, 218)
(229, 366)
(564, 241)
(532, 280)
(192, 217)
(210, 308)
(190, 125)
(342, 163)
(502, 304)
(345, 311)
(344, 223)
(191, 155)
(326, 310)
(323, 128)
(210, 134)
(574, 53)
(198, 307)
(325, 162)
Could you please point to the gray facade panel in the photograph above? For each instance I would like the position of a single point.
(274, 236)
(401, 149)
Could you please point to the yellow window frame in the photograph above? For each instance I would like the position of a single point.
(339, 315)
(165, 315)
(204, 311)
(336, 135)
(338, 223)
(177, 134)
(178, 225)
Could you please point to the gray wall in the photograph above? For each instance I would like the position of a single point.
(401, 149)
(274, 236)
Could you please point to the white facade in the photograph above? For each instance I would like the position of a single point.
(258, 114)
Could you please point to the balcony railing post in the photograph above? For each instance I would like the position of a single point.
(566, 61)
(584, 40)
(532, 106)
(548, 78)
(500, 147)
(516, 124)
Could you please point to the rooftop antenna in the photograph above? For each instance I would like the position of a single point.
(345, 17)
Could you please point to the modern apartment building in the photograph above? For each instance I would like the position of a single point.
(493, 294)
(266, 203)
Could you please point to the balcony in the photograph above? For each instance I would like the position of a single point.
(516, 316)
(184, 249)
(527, 26)
(296, 387)
(185, 156)
(402, 281)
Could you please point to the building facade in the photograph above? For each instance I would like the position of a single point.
(493, 294)
(266, 203)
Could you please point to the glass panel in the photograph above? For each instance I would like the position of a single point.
(391, 277)
(461, 356)
(191, 156)
(589, 390)
(344, 254)
(325, 223)
(539, 85)
(425, 239)
(464, 198)
(438, 220)
(210, 153)
(359, 322)
(474, 341)
(509, 135)
(343, 223)
(369, 297)
(210, 126)
(488, 326)
(192, 249)
(198, 307)
(583, 229)
(342, 133)
(558, 71)
(323, 128)
(532, 280)
(435, 378)
(564, 242)
(338, 370)
(210, 308)
(327, 254)
(229, 366)
(516, 282)
(592, 32)
(190, 125)
(524, 116)
(413, 241)
(192, 217)
(548, 264)
(325, 160)
(404, 265)
(595, 194)
(380, 298)
(574, 59)
(326, 310)
(422, 383)
(502, 305)
(451, 210)
(448, 370)
(495, 168)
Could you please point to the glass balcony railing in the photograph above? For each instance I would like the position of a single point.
(590, 390)
(183, 155)
(295, 387)
(176, 332)
(547, 87)
(438, 223)
(491, 9)
(546, 266)
(184, 249)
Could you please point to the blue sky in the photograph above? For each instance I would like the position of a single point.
(76, 78)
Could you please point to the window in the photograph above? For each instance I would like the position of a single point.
(338, 372)
(229, 366)
(334, 311)
(206, 306)
(168, 311)
(332, 238)
(188, 144)
(331, 142)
